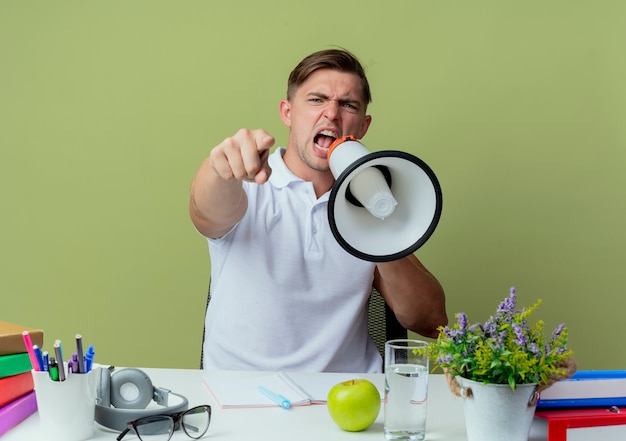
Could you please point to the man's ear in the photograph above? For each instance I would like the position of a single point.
(366, 124)
(285, 112)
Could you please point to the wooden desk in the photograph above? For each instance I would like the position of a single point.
(445, 416)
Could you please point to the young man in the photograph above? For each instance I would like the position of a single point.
(284, 294)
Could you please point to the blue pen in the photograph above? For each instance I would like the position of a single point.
(39, 357)
(89, 355)
(276, 398)
(46, 361)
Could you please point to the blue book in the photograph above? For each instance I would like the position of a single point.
(586, 389)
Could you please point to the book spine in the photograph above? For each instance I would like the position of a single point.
(11, 340)
(15, 386)
(14, 364)
(17, 411)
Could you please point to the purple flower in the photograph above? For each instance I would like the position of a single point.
(557, 331)
(444, 359)
(535, 349)
(506, 309)
(520, 338)
(501, 339)
(462, 318)
(490, 327)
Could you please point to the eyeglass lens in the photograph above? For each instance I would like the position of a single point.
(195, 423)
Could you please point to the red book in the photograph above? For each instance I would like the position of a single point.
(14, 387)
(559, 421)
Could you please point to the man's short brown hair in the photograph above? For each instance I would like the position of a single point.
(334, 59)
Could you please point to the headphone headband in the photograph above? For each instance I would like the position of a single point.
(118, 419)
(118, 415)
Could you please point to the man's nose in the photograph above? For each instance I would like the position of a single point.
(331, 110)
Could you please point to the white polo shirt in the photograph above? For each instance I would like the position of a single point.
(284, 294)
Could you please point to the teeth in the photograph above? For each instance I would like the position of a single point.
(327, 133)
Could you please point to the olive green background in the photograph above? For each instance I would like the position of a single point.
(107, 108)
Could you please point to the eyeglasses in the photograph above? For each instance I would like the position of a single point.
(195, 423)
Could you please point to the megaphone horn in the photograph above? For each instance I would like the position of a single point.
(383, 205)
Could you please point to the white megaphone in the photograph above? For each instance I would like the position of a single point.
(383, 205)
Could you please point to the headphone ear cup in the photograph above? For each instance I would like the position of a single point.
(103, 391)
(131, 389)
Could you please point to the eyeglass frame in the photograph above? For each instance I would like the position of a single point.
(175, 418)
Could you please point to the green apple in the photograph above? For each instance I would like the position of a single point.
(354, 404)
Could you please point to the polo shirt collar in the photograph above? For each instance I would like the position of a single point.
(281, 175)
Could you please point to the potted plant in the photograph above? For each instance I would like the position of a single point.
(500, 366)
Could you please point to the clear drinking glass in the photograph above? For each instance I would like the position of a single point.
(406, 390)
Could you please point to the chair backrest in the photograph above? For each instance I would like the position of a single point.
(382, 323)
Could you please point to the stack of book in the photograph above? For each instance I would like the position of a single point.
(17, 395)
(590, 405)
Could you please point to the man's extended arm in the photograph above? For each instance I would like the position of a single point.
(413, 293)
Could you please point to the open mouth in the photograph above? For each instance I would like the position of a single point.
(324, 139)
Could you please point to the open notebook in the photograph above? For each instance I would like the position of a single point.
(231, 391)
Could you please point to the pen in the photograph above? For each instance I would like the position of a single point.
(29, 348)
(276, 398)
(59, 359)
(60, 349)
(38, 356)
(46, 360)
(72, 365)
(79, 351)
(89, 355)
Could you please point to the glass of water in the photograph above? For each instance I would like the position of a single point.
(406, 389)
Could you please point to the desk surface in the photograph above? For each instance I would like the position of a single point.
(445, 416)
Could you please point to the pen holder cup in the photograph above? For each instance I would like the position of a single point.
(66, 408)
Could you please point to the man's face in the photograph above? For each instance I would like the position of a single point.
(327, 106)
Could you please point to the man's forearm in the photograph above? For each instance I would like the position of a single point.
(413, 293)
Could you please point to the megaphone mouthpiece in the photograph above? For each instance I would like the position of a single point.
(371, 190)
(383, 205)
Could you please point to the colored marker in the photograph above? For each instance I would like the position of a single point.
(29, 348)
(60, 364)
(79, 352)
(54, 369)
(276, 398)
(72, 365)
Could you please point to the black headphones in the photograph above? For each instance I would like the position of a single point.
(122, 396)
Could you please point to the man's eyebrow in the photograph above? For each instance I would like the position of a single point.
(344, 100)
(348, 100)
(319, 95)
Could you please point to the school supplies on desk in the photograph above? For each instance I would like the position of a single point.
(56, 366)
(231, 390)
(17, 396)
(586, 389)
